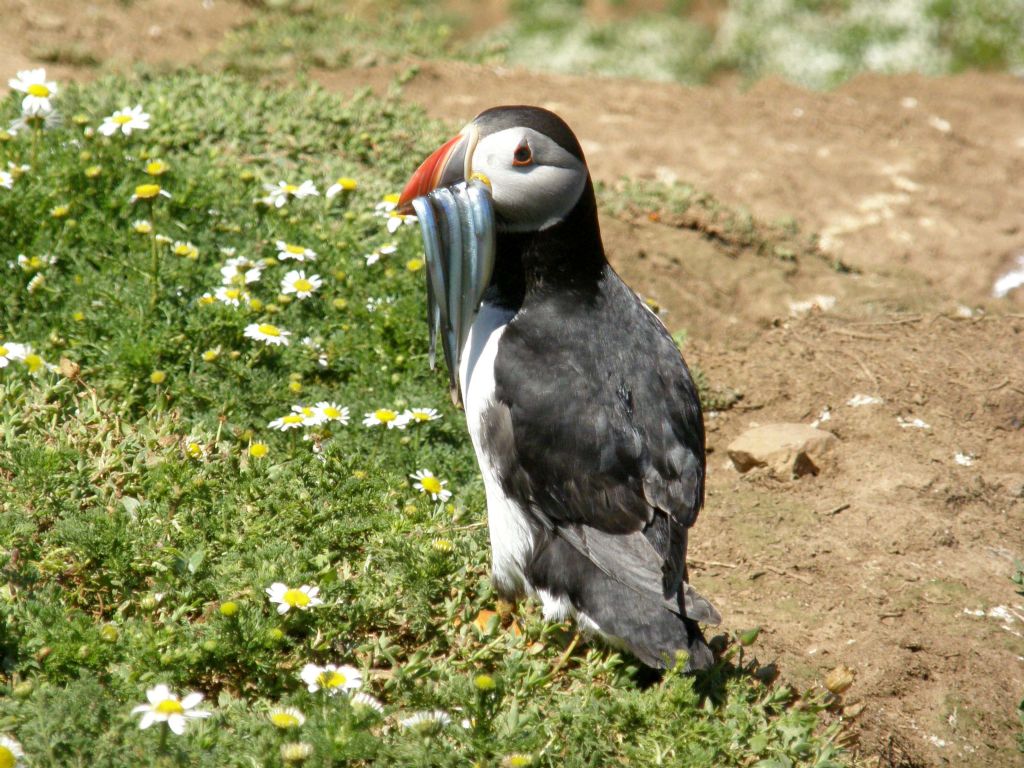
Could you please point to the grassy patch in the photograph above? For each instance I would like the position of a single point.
(286, 34)
(140, 525)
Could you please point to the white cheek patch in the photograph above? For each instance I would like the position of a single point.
(538, 197)
(532, 197)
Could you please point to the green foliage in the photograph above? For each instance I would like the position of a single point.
(821, 44)
(326, 33)
(138, 532)
(559, 36)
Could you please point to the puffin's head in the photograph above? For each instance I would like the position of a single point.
(529, 157)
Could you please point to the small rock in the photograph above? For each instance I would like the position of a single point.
(839, 679)
(788, 450)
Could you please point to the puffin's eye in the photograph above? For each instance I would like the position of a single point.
(523, 154)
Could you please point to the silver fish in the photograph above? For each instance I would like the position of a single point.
(457, 224)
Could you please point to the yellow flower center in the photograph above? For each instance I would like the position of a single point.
(169, 707)
(329, 412)
(431, 484)
(269, 330)
(420, 416)
(331, 679)
(3, 351)
(122, 119)
(7, 758)
(384, 415)
(232, 293)
(346, 183)
(284, 719)
(392, 198)
(414, 265)
(195, 450)
(296, 249)
(143, 227)
(147, 191)
(293, 418)
(296, 597)
(34, 362)
(291, 189)
(303, 286)
(156, 167)
(38, 89)
(258, 450)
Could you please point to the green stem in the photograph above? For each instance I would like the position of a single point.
(154, 259)
(36, 129)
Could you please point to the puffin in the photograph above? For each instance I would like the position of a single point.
(584, 417)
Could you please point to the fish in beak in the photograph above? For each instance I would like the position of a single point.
(456, 216)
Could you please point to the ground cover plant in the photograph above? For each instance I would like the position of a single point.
(240, 523)
(816, 44)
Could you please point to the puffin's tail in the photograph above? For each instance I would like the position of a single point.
(654, 629)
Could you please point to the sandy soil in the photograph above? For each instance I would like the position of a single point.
(895, 559)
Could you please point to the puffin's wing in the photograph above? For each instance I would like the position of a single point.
(604, 444)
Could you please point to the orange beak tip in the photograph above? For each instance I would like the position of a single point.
(425, 179)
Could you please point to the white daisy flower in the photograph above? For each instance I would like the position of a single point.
(289, 421)
(279, 194)
(268, 333)
(387, 204)
(426, 482)
(6, 180)
(240, 271)
(386, 209)
(303, 598)
(286, 718)
(311, 416)
(397, 220)
(332, 412)
(374, 303)
(385, 416)
(125, 120)
(287, 251)
(427, 721)
(48, 119)
(150, 192)
(331, 678)
(421, 415)
(37, 90)
(344, 184)
(360, 699)
(296, 282)
(295, 752)
(233, 297)
(10, 752)
(185, 249)
(166, 707)
(12, 351)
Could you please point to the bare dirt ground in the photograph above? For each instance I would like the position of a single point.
(895, 559)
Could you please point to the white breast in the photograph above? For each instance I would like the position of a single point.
(511, 539)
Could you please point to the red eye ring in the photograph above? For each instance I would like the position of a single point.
(523, 154)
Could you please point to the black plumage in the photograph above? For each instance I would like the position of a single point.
(596, 431)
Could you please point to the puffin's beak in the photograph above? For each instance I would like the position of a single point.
(443, 168)
(457, 222)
